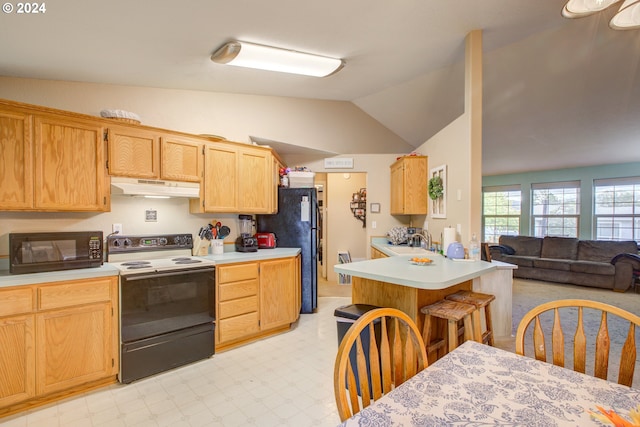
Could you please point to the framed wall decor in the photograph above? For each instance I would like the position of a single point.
(375, 208)
(438, 191)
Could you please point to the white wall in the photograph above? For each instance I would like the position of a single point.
(334, 126)
(173, 217)
(378, 187)
(450, 147)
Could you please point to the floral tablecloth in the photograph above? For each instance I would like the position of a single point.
(479, 385)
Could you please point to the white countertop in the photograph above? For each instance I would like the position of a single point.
(397, 269)
(261, 254)
(7, 279)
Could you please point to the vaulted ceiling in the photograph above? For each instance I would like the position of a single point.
(557, 93)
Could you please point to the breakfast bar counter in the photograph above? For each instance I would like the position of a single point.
(397, 282)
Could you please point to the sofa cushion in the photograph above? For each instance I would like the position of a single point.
(592, 267)
(552, 264)
(520, 261)
(523, 245)
(604, 250)
(559, 247)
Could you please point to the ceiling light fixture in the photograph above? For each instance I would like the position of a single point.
(627, 17)
(263, 57)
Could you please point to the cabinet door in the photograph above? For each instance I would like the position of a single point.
(255, 181)
(181, 159)
(133, 152)
(220, 178)
(17, 359)
(375, 254)
(273, 191)
(397, 188)
(277, 292)
(70, 173)
(409, 186)
(74, 346)
(16, 167)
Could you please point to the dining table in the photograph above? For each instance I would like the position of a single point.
(480, 385)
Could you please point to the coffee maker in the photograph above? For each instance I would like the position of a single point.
(246, 242)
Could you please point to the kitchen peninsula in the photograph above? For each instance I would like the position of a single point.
(393, 281)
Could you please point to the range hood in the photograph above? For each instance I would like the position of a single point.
(154, 188)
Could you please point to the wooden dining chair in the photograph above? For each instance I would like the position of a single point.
(581, 338)
(380, 351)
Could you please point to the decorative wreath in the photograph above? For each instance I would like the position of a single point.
(436, 190)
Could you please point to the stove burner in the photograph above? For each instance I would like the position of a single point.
(185, 260)
(136, 264)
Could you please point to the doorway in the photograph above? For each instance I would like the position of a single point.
(341, 231)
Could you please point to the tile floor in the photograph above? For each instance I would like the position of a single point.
(285, 380)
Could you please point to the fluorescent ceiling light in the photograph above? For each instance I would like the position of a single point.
(627, 17)
(263, 57)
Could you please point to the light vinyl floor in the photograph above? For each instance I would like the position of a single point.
(284, 380)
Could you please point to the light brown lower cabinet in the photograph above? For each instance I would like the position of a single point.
(375, 254)
(17, 359)
(63, 340)
(255, 299)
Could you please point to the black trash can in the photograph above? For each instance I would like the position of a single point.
(345, 317)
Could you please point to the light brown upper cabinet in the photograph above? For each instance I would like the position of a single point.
(50, 161)
(138, 152)
(133, 152)
(409, 186)
(16, 157)
(182, 158)
(69, 165)
(237, 178)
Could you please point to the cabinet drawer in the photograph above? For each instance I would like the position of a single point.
(235, 273)
(231, 291)
(78, 293)
(237, 307)
(238, 327)
(16, 301)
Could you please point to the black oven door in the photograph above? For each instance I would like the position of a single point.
(152, 304)
(166, 320)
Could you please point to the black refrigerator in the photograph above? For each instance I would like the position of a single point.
(296, 226)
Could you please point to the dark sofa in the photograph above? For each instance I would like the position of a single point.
(595, 263)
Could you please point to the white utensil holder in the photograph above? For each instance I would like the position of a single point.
(217, 246)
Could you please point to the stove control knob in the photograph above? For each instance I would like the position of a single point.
(127, 242)
(162, 241)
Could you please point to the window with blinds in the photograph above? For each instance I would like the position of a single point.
(501, 210)
(616, 205)
(555, 209)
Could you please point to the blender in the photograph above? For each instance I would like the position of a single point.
(246, 242)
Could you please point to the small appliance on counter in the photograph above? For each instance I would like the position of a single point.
(246, 242)
(54, 251)
(266, 240)
(455, 250)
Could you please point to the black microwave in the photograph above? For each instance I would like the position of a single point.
(42, 252)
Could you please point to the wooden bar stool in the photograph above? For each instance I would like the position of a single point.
(480, 302)
(452, 312)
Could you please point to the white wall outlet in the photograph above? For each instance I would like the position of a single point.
(116, 228)
(374, 224)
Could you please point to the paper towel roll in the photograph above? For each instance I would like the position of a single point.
(448, 236)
